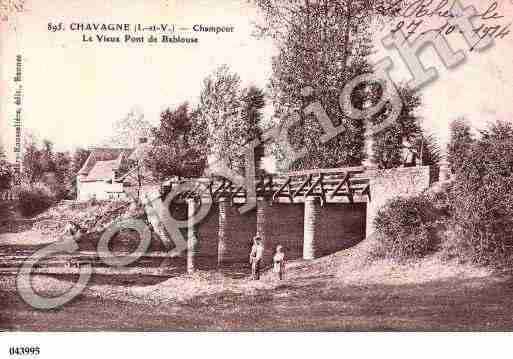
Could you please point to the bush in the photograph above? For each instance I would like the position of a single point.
(453, 245)
(406, 228)
(460, 143)
(59, 191)
(34, 199)
(5, 175)
(476, 209)
(483, 198)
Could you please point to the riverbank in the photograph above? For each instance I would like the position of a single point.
(343, 291)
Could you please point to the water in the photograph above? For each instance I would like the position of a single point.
(12, 257)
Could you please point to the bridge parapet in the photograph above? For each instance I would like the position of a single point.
(336, 185)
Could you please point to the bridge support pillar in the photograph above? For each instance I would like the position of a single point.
(223, 231)
(311, 233)
(262, 205)
(262, 213)
(192, 236)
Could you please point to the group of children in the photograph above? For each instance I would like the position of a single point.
(257, 254)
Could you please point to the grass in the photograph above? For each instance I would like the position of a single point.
(306, 304)
(342, 291)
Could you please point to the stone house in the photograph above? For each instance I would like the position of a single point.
(99, 177)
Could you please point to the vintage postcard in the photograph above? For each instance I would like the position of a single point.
(255, 165)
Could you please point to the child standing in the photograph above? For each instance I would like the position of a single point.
(279, 262)
(257, 253)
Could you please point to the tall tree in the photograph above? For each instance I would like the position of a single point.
(177, 149)
(322, 44)
(250, 125)
(218, 113)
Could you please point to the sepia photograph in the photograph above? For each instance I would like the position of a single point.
(255, 166)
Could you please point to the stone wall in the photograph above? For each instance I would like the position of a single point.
(340, 226)
(387, 184)
(240, 230)
(284, 226)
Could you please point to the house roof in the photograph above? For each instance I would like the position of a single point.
(102, 171)
(102, 161)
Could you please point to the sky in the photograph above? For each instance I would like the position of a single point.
(74, 91)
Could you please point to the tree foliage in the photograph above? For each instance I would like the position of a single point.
(232, 117)
(460, 143)
(218, 115)
(177, 145)
(483, 196)
(76, 162)
(33, 168)
(404, 135)
(6, 175)
(324, 45)
(80, 155)
(41, 164)
(250, 122)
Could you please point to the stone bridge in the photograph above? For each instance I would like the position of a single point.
(310, 213)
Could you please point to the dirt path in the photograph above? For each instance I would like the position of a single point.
(320, 304)
(338, 292)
